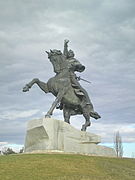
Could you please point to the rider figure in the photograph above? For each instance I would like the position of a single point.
(74, 80)
(70, 57)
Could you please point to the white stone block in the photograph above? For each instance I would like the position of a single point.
(48, 134)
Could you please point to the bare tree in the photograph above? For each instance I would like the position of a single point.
(118, 144)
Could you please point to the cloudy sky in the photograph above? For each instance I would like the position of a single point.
(102, 35)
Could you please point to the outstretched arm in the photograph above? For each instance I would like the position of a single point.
(65, 51)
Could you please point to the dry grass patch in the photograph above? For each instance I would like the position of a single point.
(65, 167)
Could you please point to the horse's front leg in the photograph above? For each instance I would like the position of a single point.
(30, 84)
(41, 84)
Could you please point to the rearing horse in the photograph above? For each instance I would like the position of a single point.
(61, 87)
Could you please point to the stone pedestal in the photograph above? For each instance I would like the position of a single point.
(50, 135)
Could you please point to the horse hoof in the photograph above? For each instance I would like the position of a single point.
(25, 89)
(47, 116)
(67, 122)
(83, 128)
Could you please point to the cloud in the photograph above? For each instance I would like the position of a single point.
(18, 114)
(3, 143)
(107, 131)
(102, 35)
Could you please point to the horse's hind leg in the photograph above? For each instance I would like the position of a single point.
(66, 115)
(54, 104)
(87, 120)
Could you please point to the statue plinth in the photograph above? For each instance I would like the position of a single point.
(47, 134)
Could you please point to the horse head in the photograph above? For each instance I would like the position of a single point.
(57, 59)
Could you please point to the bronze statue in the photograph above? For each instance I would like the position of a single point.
(70, 96)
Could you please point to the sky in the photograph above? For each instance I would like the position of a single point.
(102, 35)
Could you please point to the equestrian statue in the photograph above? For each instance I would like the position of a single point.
(71, 97)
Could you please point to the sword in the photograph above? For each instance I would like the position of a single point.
(79, 78)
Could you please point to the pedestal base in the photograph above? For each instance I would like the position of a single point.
(52, 135)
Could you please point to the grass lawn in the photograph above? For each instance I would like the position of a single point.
(65, 167)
